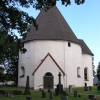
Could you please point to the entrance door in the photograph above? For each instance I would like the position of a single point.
(48, 79)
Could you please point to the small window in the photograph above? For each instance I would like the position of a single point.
(69, 44)
(22, 44)
(22, 72)
(78, 72)
(85, 74)
(82, 47)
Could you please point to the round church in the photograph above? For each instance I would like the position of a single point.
(51, 49)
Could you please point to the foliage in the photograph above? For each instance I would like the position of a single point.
(94, 72)
(11, 19)
(1, 74)
(98, 72)
(93, 66)
(93, 60)
(9, 49)
(1, 69)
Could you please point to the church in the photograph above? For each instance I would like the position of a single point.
(51, 49)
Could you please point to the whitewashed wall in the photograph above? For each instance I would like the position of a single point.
(27, 61)
(69, 58)
(87, 62)
(47, 66)
(73, 60)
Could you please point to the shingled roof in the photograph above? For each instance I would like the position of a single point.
(85, 49)
(52, 26)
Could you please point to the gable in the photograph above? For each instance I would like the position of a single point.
(45, 58)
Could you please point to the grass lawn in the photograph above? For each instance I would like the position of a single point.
(36, 94)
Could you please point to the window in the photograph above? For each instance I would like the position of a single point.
(48, 74)
(78, 72)
(85, 74)
(22, 72)
(69, 44)
(22, 44)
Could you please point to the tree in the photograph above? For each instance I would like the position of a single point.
(9, 49)
(1, 69)
(1, 73)
(98, 71)
(11, 17)
(93, 66)
(94, 72)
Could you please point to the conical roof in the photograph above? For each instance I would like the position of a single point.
(52, 26)
(85, 48)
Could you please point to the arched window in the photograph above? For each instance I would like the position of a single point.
(78, 72)
(85, 73)
(48, 74)
(22, 72)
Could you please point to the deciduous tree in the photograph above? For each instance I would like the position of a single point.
(98, 71)
(9, 49)
(12, 18)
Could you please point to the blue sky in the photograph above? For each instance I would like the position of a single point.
(84, 20)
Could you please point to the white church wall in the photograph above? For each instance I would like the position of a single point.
(73, 60)
(27, 61)
(87, 62)
(43, 69)
(21, 81)
(68, 58)
(55, 48)
(36, 51)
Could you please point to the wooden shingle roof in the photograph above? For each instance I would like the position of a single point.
(52, 26)
(85, 49)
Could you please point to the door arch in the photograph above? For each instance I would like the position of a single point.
(48, 79)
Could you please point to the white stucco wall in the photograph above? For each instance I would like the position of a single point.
(73, 60)
(68, 58)
(43, 69)
(55, 48)
(27, 61)
(87, 62)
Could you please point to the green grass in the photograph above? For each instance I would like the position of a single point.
(36, 95)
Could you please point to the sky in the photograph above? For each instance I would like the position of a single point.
(84, 20)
